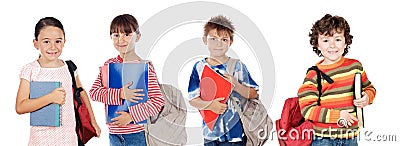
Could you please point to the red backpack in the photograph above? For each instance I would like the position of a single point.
(84, 129)
(292, 129)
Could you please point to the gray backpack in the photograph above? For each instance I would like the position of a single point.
(168, 127)
(256, 123)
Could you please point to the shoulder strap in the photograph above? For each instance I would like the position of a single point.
(77, 91)
(230, 66)
(319, 74)
(72, 67)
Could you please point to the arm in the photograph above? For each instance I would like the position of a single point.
(245, 91)
(244, 84)
(368, 88)
(308, 101)
(214, 105)
(154, 103)
(25, 105)
(85, 99)
(368, 94)
(194, 95)
(109, 96)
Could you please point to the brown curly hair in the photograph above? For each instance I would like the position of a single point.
(329, 25)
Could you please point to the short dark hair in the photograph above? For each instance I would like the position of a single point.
(125, 23)
(328, 25)
(47, 21)
(222, 24)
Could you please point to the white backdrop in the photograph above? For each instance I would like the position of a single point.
(284, 24)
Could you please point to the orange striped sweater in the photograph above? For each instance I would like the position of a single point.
(335, 97)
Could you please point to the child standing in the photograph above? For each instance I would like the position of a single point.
(124, 31)
(330, 38)
(49, 40)
(218, 36)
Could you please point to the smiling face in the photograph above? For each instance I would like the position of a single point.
(50, 43)
(331, 47)
(124, 32)
(217, 45)
(125, 42)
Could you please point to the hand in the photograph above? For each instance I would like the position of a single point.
(130, 94)
(58, 96)
(231, 79)
(217, 107)
(97, 128)
(363, 101)
(122, 120)
(345, 114)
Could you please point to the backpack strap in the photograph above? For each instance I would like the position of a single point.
(319, 75)
(230, 68)
(77, 91)
(230, 65)
(77, 94)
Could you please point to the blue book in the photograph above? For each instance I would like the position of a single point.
(120, 74)
(48, 115)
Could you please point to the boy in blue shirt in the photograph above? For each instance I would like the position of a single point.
(218, 37)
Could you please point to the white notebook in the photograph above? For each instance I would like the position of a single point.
(357, 95)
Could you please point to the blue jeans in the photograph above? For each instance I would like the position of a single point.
(319, 141)
(218, 143)
(133, 139)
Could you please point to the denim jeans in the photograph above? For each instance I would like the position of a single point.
(218, 143)
(319, 141)
(133, 139)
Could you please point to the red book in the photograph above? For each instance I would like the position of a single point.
(213, 85)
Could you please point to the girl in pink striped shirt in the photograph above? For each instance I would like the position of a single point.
(124, 31)
(49, 40)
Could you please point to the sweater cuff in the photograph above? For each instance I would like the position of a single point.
(334, 116)
(371, 96)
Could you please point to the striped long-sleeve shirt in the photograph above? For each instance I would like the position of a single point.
(139, 112)
(334, 98)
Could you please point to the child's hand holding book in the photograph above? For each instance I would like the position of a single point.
(217, 107)
(362, 102)
(131, 95)
(123, 119)
(57, 96)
